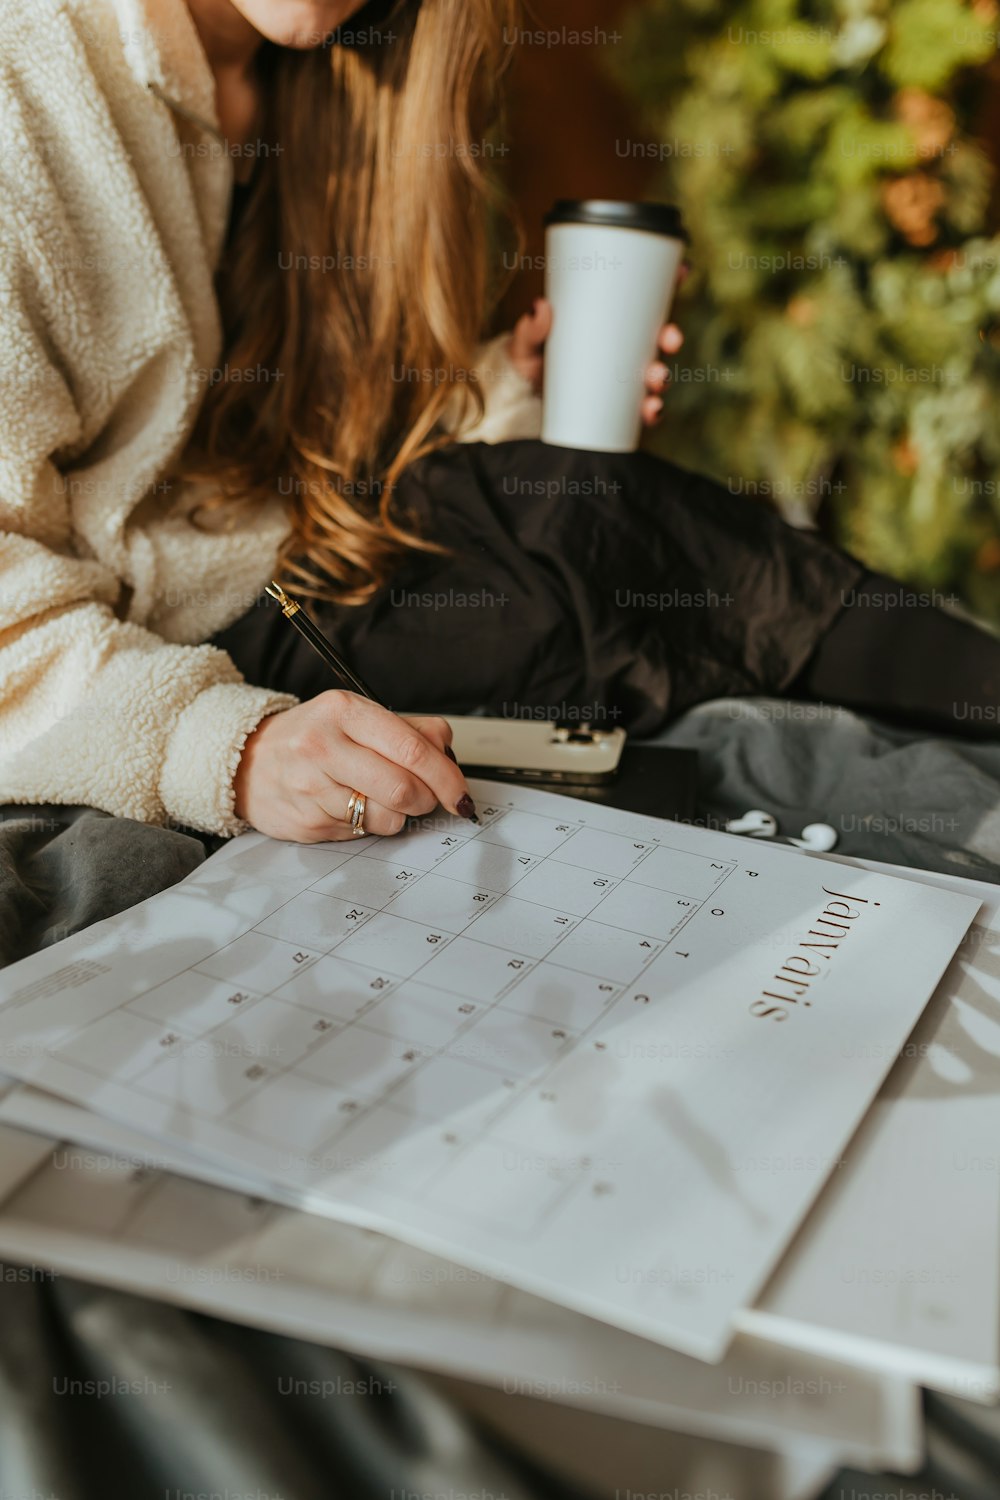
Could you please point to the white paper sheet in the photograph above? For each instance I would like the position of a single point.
(101, 1215)
(898, 1265)
(545, 1048)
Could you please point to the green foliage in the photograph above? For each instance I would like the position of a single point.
(843, 311)
(930, 40)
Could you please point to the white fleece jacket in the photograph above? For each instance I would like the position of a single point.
(114, 197)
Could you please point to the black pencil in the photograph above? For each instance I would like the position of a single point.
(312, 633)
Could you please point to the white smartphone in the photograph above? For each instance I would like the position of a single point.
(538, 749)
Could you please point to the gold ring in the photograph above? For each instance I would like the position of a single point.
(356, 814)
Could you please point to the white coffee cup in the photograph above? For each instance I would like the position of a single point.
(611, 272)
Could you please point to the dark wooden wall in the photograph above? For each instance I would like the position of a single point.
(565, 117)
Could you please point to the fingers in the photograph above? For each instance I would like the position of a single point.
(652, 410)
(433, 728)
(383, 781)
(377, 819)
(527, 343)
(393, 762)
(437, 730)
(671, 340)
(299, 767)
(657, 379)
(533, 329)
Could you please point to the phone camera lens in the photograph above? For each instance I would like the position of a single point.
(574, 734)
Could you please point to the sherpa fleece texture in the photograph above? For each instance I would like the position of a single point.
(115, 185)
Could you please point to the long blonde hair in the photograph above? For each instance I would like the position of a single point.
(357, 285)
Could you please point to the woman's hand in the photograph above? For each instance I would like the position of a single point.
(299, 768)
(527, 354)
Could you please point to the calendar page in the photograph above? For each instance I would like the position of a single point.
(895, 1267)
(556, 1047)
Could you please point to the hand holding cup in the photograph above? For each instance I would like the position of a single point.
(611, 272)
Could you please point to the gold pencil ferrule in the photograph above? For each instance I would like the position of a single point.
(288, 606)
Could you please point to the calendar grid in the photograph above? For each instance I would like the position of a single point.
(365, 1099)
(538, 1084)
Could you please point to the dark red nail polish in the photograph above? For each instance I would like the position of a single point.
(466, 808)
(450, 754)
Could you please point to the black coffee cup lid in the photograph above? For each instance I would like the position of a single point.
(654, 218)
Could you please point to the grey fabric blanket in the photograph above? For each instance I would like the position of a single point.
(888, 795)
(63, 868)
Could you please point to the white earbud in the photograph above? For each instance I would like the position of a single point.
(758, 824)
(819, 837)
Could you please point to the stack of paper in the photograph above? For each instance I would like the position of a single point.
(543, 1101)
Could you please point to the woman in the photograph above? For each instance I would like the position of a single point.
(200, 387)
(162, 456)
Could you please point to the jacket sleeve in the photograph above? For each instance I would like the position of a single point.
(512, 408)
(93, 710)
